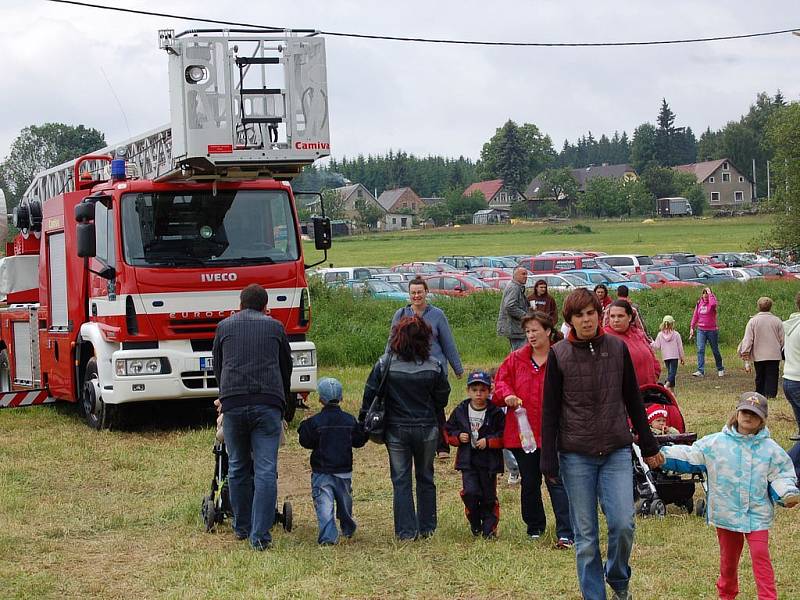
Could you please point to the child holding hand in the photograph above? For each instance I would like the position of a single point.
(669, 342)
(747, 472)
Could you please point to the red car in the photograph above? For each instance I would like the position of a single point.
(712, 261)
(657, 279)
(453, 284)
(485, 273)
(771, 271)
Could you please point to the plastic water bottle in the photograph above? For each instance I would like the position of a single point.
(747, 366)
(525, 431)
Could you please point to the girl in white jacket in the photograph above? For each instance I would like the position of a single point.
(747, 473)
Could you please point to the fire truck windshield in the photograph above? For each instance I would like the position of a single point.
(201, 229)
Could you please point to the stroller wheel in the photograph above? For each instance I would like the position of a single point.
(658, 508)
(700, 507)
(209, 513)
(641, 506)
(689, 506)
(287, 516)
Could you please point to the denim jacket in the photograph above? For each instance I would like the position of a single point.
(331, 435)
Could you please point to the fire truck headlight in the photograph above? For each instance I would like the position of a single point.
(196, 74)
(141, 366)
(303, 358)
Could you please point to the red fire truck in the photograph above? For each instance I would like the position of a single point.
(128, 258)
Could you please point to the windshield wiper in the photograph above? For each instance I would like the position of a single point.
(176, 261)
(245, 260)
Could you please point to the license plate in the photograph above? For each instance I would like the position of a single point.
(207, 364)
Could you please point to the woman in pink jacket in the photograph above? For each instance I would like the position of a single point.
(704, 320)
(520, 382)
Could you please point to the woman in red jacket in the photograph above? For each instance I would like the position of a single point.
(645, 363)
(519, 382)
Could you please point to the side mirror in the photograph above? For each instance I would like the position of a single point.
(85, 238)
(322, 233)
(458, 288)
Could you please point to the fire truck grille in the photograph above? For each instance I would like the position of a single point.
(198, 380)
(193, 326)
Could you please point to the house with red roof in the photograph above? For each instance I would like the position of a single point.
(496, 195)
(724, 185)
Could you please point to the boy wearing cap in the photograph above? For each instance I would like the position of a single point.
(657, 419)
(475, 427)
(331, 435)
(746, 472)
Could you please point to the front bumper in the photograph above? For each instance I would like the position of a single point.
(186, 380)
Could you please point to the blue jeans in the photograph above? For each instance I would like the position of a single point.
(517, 343)
(252, 434)
(407, 446)
(712, 337)
(672, 370)
(608, 479)
(333, 497)
(791, 389)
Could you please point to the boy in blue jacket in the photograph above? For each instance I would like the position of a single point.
(475, 427)
(331, 435)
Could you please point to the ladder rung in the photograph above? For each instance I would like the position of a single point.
(259, 91)
(240, 61)
(247, 120)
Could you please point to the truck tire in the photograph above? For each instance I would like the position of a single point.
(98, 414)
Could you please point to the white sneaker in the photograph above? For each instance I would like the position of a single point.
(697, 374)
(721, 373)
(514, 478)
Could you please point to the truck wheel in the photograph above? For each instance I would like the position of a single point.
(5, 372)
(97, 413)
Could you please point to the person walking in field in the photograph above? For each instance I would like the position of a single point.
(590, 393)
(747, 473)
(253, 365)
(513, 307)
(704, 320)
(669, 343)
(443, 344)
(791, 367)
(541, 300)
(762, 345)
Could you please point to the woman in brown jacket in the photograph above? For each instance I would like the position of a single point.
(541, 300)
(590, 391)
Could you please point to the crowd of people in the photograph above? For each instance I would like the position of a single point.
(563, 406)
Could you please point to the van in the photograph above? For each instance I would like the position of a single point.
(628, 263)
(554, 264)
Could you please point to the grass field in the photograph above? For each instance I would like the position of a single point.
(116, 514)
(614, 237)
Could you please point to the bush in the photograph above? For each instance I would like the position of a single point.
(350, 332)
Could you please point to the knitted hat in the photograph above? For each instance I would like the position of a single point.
(329, 390)
(654, 411)
(754, 402)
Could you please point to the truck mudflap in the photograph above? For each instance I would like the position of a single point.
(25, 398)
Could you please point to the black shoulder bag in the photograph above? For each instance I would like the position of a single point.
(375, 421)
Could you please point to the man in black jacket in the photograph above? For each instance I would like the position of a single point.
(253, 367)
(331, 435)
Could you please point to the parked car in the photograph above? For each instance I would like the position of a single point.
(773, 271)
(682, 258)
(341, 274)
(628, 263)
(710, 261)
(454, 284)
(499, 262)
(375, 288)
(612, 279)
(659, 279)
(561, 253)
(742, 273)
(731, 259)
(391, 277)
(563, 282)
(517, 257)
(458, 262)
(555, 264)
(423, 267)
(699, 273)
(490, 273)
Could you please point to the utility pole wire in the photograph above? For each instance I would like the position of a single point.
(440, 40)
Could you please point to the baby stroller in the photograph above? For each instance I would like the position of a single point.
(216, 507)
(654, 489)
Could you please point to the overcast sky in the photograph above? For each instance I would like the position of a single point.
(60, 64)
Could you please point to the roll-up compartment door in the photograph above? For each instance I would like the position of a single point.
(23, 365)
(57, 260)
